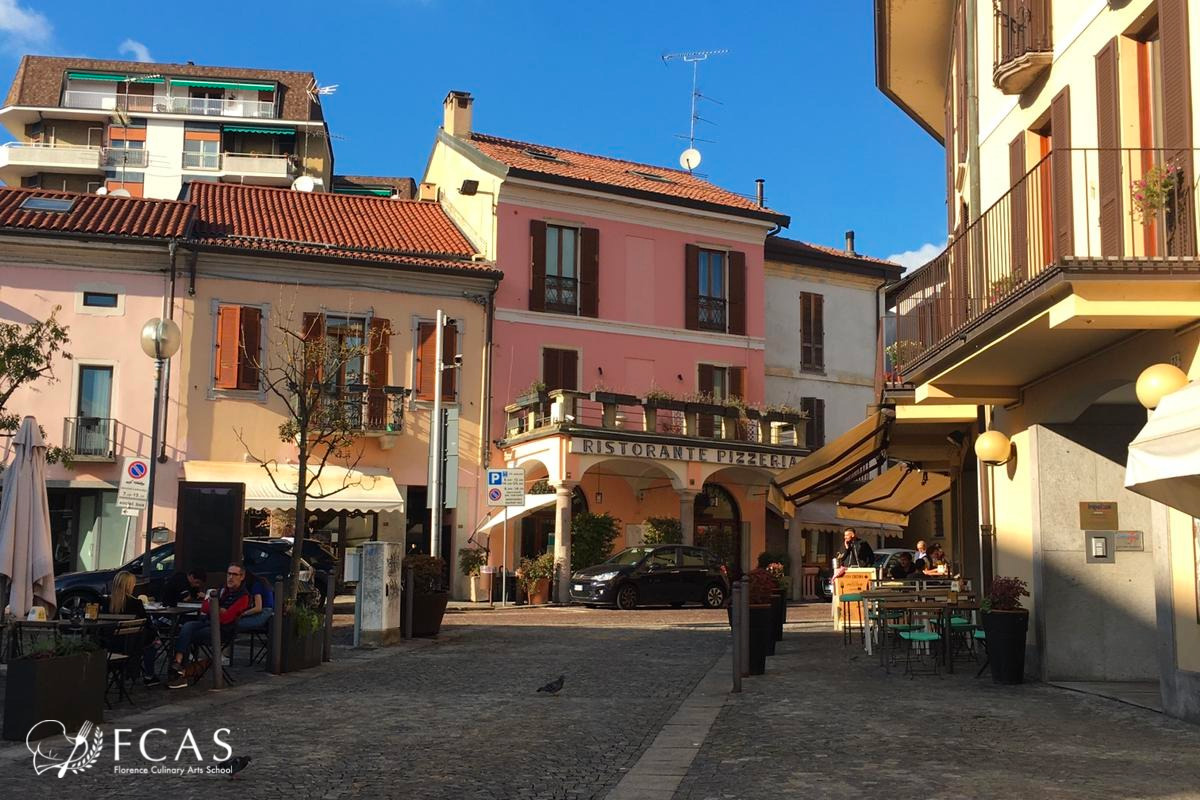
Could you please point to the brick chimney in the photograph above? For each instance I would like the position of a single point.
(456, 113)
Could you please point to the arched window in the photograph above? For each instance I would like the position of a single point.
(719, 526)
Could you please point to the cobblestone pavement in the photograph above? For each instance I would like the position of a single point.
(821, 725)
(454, 718)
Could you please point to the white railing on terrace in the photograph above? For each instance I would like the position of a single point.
(49, 154)
(250, 164)
(146, 104)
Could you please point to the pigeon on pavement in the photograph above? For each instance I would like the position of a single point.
(553, 687)
(234, 765)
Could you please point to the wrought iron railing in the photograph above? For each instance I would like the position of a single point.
(369, 409)
(1022, 27)
(1125, 206)
(92, 437)
(562, 293)
(711, 313)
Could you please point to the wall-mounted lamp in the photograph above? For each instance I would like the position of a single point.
(1158, 381)
(469, 188)
(600, 370)
(993, 448)
(599, 497)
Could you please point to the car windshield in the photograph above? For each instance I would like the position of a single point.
(881, 558)
(631, 556)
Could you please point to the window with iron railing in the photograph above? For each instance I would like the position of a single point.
(712, 310)
(1022, 28)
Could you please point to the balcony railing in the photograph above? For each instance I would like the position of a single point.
(1125, 206)
(711, 313)
(168, 104)
(264, 166)
(129, 157)
(377, 410)
(92, 438)
(562, 294)
(1024, 44)
(42, 155)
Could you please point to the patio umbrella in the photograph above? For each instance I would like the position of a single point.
(25, 552)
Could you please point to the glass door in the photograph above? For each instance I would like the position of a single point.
(93, 424)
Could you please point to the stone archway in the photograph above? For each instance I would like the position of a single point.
(718, 524)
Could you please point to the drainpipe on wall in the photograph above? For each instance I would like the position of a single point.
(169, 313)
(485, 403)
(987, 532)
(972, 22)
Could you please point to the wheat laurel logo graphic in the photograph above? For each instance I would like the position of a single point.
(83, 753)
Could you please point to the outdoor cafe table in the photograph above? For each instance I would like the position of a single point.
(944, 611)
(894, 599)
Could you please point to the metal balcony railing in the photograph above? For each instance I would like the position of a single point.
(711, 313)
(1022, 27)
(562, 294)
(168, 104)
(92, 438)
(1126, 206)
(369, 409)
(130, 157)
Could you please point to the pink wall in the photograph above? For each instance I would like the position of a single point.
(641, 282)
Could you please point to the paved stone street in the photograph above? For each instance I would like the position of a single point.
(459, 718)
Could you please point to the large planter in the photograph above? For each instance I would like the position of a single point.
(539, 593)
(300, 652)
(428, 610)
(760, 637)
(778, 614)
(69, 689)
(1006, 632)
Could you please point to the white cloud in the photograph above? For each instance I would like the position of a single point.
(911, 259)
(136, 49)
(22, 28)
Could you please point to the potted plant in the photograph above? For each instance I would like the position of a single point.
(900, 353)
(778, 599)
(470, 561)
(1005, 623)
(428, 592)
(534, 394)
(56, 679)
(1152, 192)
(660, 398)
(535, 575)
(662, 530)
(303, 639)
(762, 643)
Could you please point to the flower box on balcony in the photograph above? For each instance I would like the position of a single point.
(614, 398)
(714, 409)
(665, 403)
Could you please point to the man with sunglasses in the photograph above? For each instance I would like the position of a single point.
(233, 600)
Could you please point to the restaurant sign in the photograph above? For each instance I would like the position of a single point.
(675, 452)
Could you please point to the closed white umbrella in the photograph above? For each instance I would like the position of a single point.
(25, 551)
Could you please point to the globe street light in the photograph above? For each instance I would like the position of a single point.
(160, 341)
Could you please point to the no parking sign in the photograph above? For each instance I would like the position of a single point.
(506, 487)
(135, 484)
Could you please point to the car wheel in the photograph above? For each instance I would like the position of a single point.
(74, 602)
(627, 597)
(714, 596)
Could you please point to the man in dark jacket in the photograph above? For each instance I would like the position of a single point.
(232, 600)
(857, 553)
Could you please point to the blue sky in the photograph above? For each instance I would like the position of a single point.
(798, 107)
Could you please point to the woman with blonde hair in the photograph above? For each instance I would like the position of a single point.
(123, 601)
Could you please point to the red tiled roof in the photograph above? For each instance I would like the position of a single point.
(319, 223)
(614, 172)
(96, 215)
(779, 246)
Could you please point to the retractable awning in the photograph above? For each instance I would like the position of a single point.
(364, 490)
(269, 131)
(823, 514)
(893, 495)
(778, 503)
(109, 78)
(213, 84)
(1164, 458)
(843, 460)
(532, 503)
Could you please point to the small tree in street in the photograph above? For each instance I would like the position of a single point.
(27, 354)
(308, 370)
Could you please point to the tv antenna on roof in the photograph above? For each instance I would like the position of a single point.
(689, 159)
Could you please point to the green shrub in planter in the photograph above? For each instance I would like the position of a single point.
(662, 530)
(592, 537)
(471, 560)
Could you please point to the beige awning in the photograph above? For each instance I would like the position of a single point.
(845, 459)
(336, 489)
(779, 503)
(532, 503)
(893, 495)
(823, 514)
(1164, 459)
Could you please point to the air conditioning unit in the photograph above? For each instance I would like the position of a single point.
(427, 192)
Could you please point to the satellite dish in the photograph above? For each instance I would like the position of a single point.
(689, 159)
(304, 183)
(119, 193)
(103, 190)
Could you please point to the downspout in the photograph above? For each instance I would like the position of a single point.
(972, 40)
(169, 313)
(485, 445)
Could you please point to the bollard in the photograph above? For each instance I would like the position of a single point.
(734, 604)
(277, 632)
(744, 624)
(214, 627)
(327, 655)
(407, 590)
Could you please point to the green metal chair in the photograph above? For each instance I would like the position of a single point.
(916, 639)
(848, 625)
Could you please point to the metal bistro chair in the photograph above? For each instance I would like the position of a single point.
(124, 645)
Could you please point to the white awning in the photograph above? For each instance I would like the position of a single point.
(337, 488)
(532, 503)
(1164, 459)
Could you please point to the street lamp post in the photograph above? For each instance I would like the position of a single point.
(160, 341)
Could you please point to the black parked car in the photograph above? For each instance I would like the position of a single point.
(323, 561)
(660, 574)
(266, 559)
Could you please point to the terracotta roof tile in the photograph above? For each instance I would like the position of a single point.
(96, 215)
(672, 185)
(319, 223)
(782, 246)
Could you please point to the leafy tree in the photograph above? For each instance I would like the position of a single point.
(27, 354)
(592, 537)
(662, 530)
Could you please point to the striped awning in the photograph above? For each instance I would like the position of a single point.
(214, 84)
(111, 78)
(269, 131)
(893, 495)
(847, 459)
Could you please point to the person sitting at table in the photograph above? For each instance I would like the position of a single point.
(122, 601)
(184, 587)
(935, 559)
(232, 600)
(902, 568)
(262, 604)
(921, 552)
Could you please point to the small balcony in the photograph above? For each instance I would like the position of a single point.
(711, 313)
(262, 169)
(28, 158)
(92, 438)
(375, 411)
(1101, 215)
(168, 104)
(562, 294)
(126, 158)
(1024, 46)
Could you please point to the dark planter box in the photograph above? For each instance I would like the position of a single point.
(1006, 632)
(778, 615)
(69, 689)
(665, 404)
(706, 408)
(300, 652)
(531, 399)
(428, 610)
(760, 638)
(615, 399)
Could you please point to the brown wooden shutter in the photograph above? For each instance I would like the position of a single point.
(1020, 207)
(1062, 209)
(537, 281)
(426, 360)
(449, 350)
(812, 330)
(705, 384)
(818, 331)
(691, 287)
(379, 356)
(806, 324)
(951, 200)
(1177, 121)
(819, 421)
(226, 362)
(1108, 132)
(313, 333)
(552, 368)
(569, 370)
(737, 382)
(736, 296)
(250, 348)
(960, 82)
(589, 272)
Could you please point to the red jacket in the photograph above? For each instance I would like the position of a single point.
(232, 604)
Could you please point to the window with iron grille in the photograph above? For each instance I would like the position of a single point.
(712, 297)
